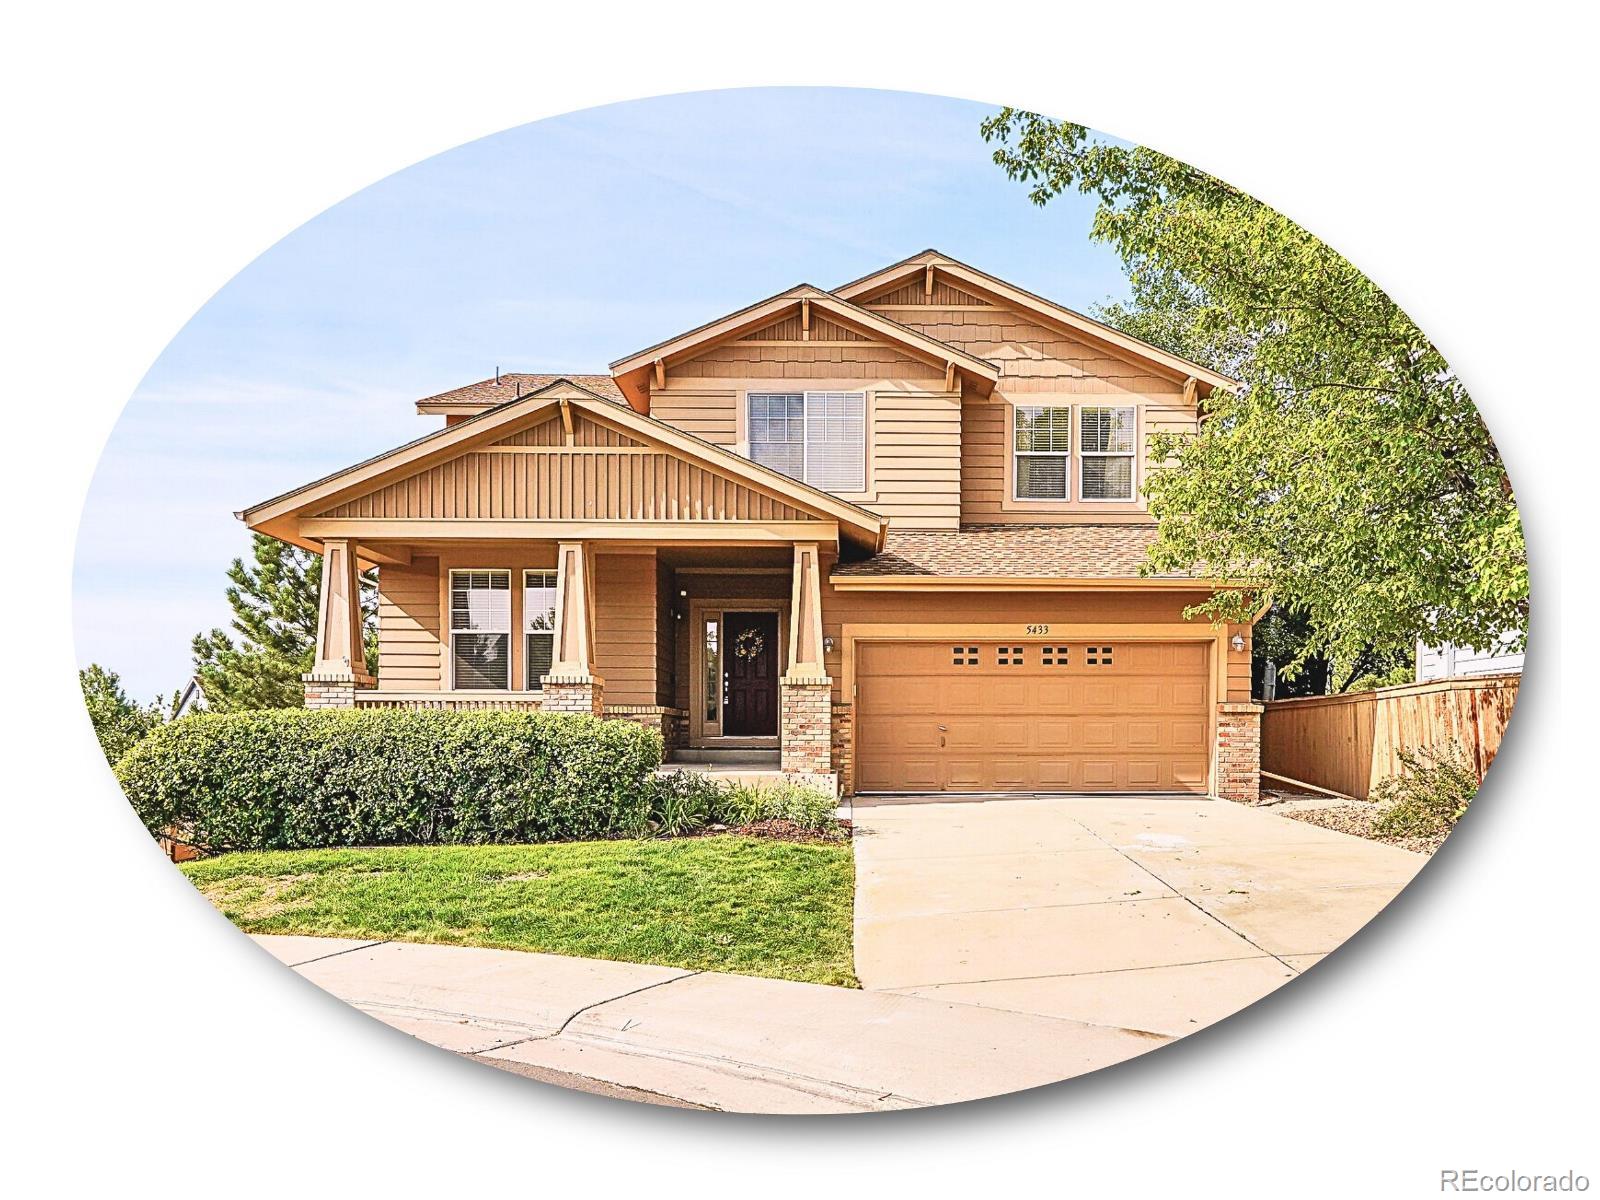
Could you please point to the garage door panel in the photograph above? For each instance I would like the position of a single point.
(1100, 716)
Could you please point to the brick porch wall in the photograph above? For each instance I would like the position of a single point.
(1239, 752)
(668, 722)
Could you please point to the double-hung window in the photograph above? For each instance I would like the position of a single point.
(480, 629)
(819, 438)
(1041, 452)
(1106, 440)
(539, 626)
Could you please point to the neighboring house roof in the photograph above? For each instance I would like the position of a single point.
(493, 423)
(887, 277)
(633, 372)
(1054, 552)
(502, 389)
(192, 699)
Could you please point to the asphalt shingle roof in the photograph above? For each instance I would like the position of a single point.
(1035, 551)
(511, 387)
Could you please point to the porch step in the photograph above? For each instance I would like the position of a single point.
(759, 760)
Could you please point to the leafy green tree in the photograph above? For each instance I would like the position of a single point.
(274, 604)
(118, 721)
(1350, 479)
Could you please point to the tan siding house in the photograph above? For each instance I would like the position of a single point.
(889, 535)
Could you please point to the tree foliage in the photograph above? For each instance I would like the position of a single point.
(274, 637)
(118, 722)
(1350, 479)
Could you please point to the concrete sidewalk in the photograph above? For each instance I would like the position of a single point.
(719, 1041)
(1158, 913)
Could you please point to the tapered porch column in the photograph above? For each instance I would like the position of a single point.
(572, 685)
(805, 700)
(340, 666)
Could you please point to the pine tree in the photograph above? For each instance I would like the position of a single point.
(274, 606)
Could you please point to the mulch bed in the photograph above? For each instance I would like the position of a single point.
(778, 831)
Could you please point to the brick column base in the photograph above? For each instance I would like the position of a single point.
(573, 694)
(326, 689)
(1239, 752)
(805, 729)
(844, 747)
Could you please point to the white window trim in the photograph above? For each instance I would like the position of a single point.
(1068, 473)
(1131, 455)
(805, 439)
(529, 683)
(450, 618)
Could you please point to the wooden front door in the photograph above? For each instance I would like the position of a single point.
(750, 674)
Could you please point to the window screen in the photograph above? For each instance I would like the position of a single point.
(1106, 438)
(539, 625)
(480, 629)
(819, 438)
(1042, 449)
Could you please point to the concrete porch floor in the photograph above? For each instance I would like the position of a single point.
(1155, 913)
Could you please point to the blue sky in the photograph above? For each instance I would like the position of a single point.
(556, 246)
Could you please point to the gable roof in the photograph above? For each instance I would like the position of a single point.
(503, 388)
(981, 281)
(632, 374)
(273, 516)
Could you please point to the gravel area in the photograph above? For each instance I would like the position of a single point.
(1354, 817)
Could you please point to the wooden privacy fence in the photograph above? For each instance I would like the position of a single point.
(1347, 743)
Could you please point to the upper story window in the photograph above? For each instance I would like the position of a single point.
(480, 629)
(819, 438)
(1043, 452)
(1106, 440)
(539, 625)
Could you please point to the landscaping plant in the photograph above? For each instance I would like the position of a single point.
(297, 779)
(1427, 797)
(688, 802)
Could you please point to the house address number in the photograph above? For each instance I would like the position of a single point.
(1036, 630)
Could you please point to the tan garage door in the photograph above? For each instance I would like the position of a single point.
(1104, 716)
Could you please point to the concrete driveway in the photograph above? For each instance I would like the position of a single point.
(1144, 913)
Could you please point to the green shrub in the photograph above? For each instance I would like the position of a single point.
(292, 779)
(683, 802)
(1427, 797)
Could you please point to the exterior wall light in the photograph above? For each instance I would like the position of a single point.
(1237, 641)
(827, 645)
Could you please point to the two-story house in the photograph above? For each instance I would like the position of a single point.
(890, 533)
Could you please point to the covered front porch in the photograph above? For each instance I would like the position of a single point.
(718, 647)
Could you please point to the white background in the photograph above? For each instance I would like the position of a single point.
(152, 150)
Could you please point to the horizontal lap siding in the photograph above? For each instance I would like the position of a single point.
(915, 475)
(409, 653)
(626, 626)
(710, 416)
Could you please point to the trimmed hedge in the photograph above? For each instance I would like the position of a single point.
(290, 779)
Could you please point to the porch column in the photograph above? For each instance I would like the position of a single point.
(805, 694)
(572, 685)
(340, 666)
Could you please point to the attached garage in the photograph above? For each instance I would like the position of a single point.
(1023, 716)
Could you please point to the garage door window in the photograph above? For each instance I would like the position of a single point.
(1043, 452)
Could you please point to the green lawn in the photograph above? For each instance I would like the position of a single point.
(748, 905)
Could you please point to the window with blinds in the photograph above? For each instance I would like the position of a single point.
(1106, 440)
(480, 629)
(539, 626)
(1042, 452)
(819, 438)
